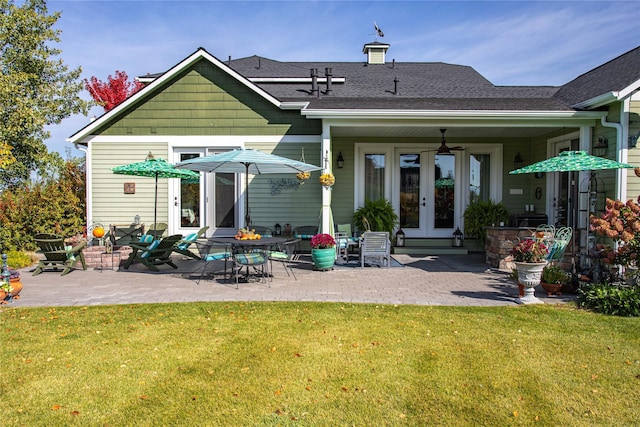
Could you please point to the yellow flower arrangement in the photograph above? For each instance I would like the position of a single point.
(327, 179)
(303, 176)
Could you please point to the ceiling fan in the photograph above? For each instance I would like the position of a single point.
(444, 149)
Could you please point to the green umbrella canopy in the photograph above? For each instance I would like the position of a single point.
(156, 168)
(571, 161)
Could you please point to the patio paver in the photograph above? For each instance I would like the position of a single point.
(454, 280)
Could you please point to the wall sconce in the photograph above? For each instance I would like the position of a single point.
(340, 161)
(600, 147)
(517, 161)
(633, 140)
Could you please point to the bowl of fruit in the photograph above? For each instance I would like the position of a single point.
(246, 234)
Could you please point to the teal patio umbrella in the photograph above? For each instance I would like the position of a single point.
(156, 168)
(572, 161)
(247, 161)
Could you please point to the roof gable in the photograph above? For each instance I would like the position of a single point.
(157, 84)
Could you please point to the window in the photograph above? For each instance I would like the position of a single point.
(374, 176)
(479, 177)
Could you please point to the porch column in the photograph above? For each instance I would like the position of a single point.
(326, 217)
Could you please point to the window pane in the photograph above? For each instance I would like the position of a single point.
(444, 194)
(374, 176)
(410, 190)
(479, 177)
(225, 196)
(189, 198)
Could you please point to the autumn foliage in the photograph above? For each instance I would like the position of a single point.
(112, 92)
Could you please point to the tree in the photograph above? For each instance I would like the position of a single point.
(36, 88)
(113, 91)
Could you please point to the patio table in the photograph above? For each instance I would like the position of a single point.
(244, 246)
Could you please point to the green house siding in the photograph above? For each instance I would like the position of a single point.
(296, 205)
(206, 101)
(633, 181)
(109, 203)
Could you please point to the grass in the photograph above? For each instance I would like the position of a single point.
(310, 364)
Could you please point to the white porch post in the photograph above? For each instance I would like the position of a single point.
(326, 219)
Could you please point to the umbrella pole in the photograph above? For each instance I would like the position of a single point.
(155, 204)
(247, 217)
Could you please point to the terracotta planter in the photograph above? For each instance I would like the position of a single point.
(323, 259)
(16, 284)
(551, 288)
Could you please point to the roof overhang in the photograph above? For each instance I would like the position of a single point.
(609, 97)
(449, 114)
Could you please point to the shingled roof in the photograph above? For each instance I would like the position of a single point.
(394, 85)
(425, 85)
(613, 76)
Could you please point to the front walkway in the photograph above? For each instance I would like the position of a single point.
(455, 280)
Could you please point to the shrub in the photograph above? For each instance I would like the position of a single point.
(18, 259)
(610, 299)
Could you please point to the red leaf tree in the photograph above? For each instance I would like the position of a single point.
(112, 92)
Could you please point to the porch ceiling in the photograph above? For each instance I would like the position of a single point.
(434, 132)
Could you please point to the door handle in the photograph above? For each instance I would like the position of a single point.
(424, 201)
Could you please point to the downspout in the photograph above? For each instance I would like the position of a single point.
(621, 154)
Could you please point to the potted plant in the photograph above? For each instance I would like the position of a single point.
(480, 214)
(530, 256)
(376, 215)
(323, 251)
(553, 279)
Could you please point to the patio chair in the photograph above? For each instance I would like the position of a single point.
(343, 243)
(262, 230)
(304, 232)
(559, 244)
(183, 245)
(157, 230)
(256, 260)
(285, 254)
(375, 244)
(57, 254)
(210, 252)
(157, 253)
(122, 235)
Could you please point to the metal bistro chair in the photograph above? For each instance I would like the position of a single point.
(375, 244)
(256, 260)
(285, 254)
(559, 244)
(211, 252)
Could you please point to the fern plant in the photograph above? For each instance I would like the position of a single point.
(376, 215)
(481, 214)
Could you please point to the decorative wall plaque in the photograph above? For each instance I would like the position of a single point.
(129, 188)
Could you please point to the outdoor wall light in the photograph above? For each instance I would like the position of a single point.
(633, 140)
(340, 161)
(517, 161)
(600, 147)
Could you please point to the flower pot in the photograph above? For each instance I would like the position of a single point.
(16, 286)
(529, 274)
(552, 288)
(323, 259)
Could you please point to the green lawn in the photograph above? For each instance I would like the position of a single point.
(309, 364)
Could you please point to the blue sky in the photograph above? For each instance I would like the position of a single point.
(509, 42)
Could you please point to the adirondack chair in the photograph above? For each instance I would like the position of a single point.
(376, 244)
(183, 245)
(157, 230)
(57, 254)
(157, 253)
(122, 235)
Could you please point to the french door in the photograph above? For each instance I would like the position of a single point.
(210, 201)
(429, 193)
